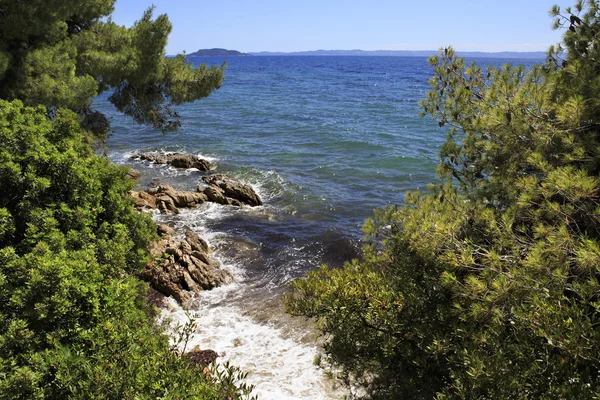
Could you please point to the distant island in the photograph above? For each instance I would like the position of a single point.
(407, 53)
(534, 55)
(216, 52)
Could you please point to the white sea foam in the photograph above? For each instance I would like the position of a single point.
(211, 159)
(124, 157)
(277, 363)
(279, 367)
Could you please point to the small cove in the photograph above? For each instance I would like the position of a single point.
(324, 141)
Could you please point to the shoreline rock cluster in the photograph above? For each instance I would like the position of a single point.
(222, 189)
(177, 160)
(182, 266)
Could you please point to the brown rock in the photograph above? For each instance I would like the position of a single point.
(190, 284)
(166, 283)
(201, 256)
(177, 160)
(201, 358)
(196, 242)
(215, 194)
(155, 158)
(185, 247)
(165, 230)
(159, 189)
(155, 298)
(166, 204)
(144, 200)
(221, 189)
(232, 188)
(168, 199)
(187, 199)
(133, 174)
(182, 268)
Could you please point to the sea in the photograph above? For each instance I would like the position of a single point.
(324, 141)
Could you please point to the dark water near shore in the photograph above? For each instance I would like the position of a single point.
(324, 140)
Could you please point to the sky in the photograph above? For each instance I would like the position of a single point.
(300, 25)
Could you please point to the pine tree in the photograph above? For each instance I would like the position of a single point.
(486, 286)
(62, 53)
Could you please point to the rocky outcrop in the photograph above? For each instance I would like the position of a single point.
(221, 189)
(168, 199)
(183, 268)
(233, 189)
(217, 195)
(177, 160)
(144, 200)
(133, 174)
(200, 358)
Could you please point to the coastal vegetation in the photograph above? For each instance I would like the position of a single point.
(62, 54)
(74, 318)
(485, 286)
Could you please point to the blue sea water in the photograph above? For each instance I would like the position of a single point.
(324, 140)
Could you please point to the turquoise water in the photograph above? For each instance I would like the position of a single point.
(324, 140)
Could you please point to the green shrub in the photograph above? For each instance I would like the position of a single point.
(73, 316)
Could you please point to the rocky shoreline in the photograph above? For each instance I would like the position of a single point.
(183, 268)
(182, 264)
(222, 189)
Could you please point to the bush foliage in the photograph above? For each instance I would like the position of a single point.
(74, 322)
(486, 286)
(73, 316)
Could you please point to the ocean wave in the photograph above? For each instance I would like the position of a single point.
(280, 367)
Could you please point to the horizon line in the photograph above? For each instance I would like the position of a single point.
(402, 50)
(375, 52)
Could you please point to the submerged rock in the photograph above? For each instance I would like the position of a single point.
(238, 248)
(177, 160)
(232, 189)
(183, 268)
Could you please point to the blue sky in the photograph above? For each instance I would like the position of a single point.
(284, 25)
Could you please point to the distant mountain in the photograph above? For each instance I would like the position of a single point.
(216, 52)
(407, 53)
